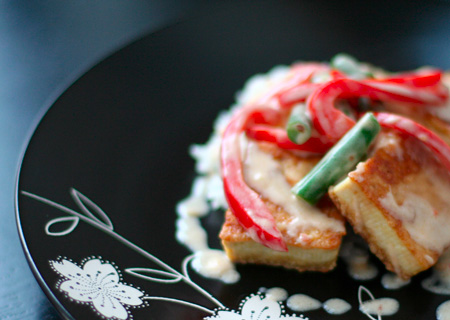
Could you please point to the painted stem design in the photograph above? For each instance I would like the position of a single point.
(196, 306)
(107, 228)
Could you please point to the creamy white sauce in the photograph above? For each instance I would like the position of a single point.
(215, 264)
(358, 262)
(336, 306)
(360, 268)
(193, 207)
(443, 311)
(207, 262)
(301, 303)
(206, 195)
(276, 294)
(190, 232)
(390, 142)
(264, 174)
(439, 281)
(380, 307)
(425, 220)
(418, 217)
(391, 281)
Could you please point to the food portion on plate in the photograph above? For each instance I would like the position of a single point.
(312, 146)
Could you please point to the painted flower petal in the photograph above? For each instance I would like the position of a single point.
(226, 315)
(258, 307)
(79, 290)
(67, 269)
(293, 318)
(110, 307)
(102, 273)
(126, 294)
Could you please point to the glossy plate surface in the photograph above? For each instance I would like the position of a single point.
(109, 161)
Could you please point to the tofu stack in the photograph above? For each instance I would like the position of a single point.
(313, 234)
(397, 197)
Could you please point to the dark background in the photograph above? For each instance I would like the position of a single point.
(44, 46)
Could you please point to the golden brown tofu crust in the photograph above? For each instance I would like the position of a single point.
(370, 183)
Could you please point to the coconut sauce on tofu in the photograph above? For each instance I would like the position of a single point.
(264, 174)
(416, 193)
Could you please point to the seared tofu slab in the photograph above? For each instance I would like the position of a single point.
(399, 202)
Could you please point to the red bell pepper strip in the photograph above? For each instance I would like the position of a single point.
(420, 78)
(425, 84)
(302, 90)
(333, 123)
(246, 205)
(301, 75)
(277, 135)
(424, 135)
(297, 94)
(431, 96)
(326, 119)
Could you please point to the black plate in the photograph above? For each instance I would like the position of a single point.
(115, 145)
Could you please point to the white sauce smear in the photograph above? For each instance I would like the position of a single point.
(215, 264)
(302, 302)
(391, 281)
(263, 173)
(380, 307)
(358, 264)
(336, 306)
(360, 268)
(443, 311)
(439, 281)
(276, 294)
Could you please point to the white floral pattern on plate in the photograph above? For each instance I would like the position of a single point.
(256, 307)
(99, 284)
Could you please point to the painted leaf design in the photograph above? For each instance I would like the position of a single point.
(91, 210)
(154, 275)
(72, 223)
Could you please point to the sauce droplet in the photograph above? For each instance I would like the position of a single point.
(276, 294)
(443, 311)
(336, 306)
(391, 281)
(302, 302)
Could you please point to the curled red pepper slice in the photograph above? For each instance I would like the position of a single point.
(420, 78)
(297, 87)
(297, 94)
(301, 91)
(333, 123)
(246, 205)
(411, 128)
(277, 135)
(431, 95)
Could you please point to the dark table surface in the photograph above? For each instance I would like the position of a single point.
(44, 46)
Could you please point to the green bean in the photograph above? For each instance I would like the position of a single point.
(298, 126)
(350, 66)
(339, 160)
